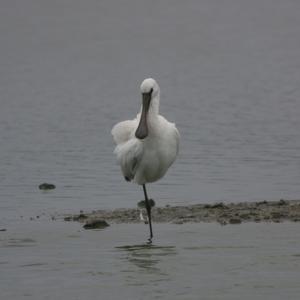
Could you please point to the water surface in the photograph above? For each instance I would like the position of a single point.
(191, 261)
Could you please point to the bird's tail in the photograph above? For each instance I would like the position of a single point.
(129, 155)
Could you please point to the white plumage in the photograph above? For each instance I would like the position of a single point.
(146, 160)
(147, 145)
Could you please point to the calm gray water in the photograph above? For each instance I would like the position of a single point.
(69, 70)
(229, 75)
(194, 261)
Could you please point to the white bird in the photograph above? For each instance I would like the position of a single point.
(147, 145)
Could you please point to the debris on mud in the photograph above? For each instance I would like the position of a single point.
(223, 213)
(47, 186)
(95, 224)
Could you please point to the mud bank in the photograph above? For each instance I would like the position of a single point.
(233, 213)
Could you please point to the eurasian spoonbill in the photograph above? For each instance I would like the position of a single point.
(147, 145)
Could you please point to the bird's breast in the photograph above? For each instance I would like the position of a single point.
(158, 155)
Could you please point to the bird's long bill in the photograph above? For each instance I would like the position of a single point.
(142, 130)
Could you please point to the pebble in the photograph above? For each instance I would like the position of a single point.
(235, 221)
(276, 214)
(218, 205)
(95, 224)
(282, 202)
(47, 186)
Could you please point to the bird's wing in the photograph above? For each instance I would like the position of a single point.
(123, 131)
(177, 137)
(172, 131)
(129, 155)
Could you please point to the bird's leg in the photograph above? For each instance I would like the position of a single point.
(148, 208)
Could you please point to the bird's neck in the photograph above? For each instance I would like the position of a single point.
(154, 106)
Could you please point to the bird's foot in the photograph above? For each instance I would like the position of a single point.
(145, 220)
(149, 242)
(142, 203)
(152, 203)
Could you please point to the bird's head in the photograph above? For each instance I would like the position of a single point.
(150, 87)
(150, 101)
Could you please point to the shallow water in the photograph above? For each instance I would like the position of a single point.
(193, 261)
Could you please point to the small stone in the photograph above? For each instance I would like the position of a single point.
(224, 215)
(96, 224)
(190, 216)
(3, 229)
(262, 202)
(178, 222)
(222, 222)
(46, 186)
(282, 202)
(218, 205)
(276, 220)
(235, 221)
(245, 216)
(68, 219)
(80, 217)
(276, 214)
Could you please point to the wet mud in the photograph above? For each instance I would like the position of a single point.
(223, 213)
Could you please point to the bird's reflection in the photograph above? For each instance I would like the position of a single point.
(146, 257)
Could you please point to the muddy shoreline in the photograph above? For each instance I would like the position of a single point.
(223, 213)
